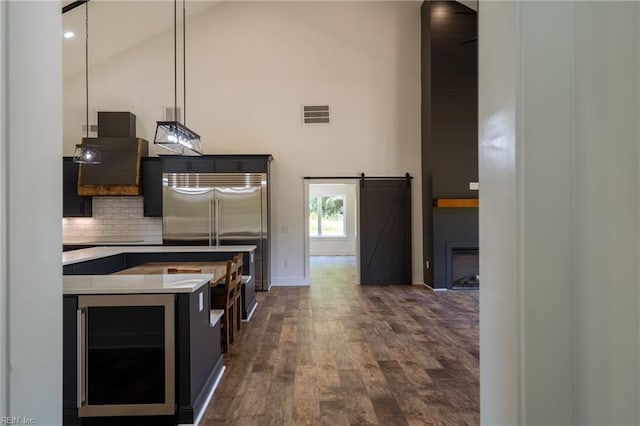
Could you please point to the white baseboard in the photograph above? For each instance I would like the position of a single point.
(250, 313)
(206, 404)
(433, 289)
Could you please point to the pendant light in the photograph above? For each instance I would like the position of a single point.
(87, 153)
(173, 135)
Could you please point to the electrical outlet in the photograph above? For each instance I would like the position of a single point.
(474, 186)
(427, 264)
(285, 229)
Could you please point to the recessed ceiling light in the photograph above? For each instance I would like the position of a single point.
(68, 34)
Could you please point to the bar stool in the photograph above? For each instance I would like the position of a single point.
(238, 259)
(226, 301)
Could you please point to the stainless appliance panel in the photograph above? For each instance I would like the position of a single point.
(224, 208)
(239, 220)
(238, 214)
(187, 215)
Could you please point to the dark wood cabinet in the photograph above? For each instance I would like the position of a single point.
(152, 186)
(73, 205)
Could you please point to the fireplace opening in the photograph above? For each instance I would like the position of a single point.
(465, 268)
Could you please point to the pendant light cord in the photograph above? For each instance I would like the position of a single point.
(184, 65)
(175, 60)
(86, 63)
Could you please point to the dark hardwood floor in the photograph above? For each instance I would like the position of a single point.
(336, 353)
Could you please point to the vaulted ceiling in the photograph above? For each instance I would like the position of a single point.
(118, 25)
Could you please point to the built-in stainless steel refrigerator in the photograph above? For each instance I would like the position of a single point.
(216, 209)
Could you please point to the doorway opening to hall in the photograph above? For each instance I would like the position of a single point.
(331, 233)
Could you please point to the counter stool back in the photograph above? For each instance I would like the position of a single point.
(226, 302)
(238, 259)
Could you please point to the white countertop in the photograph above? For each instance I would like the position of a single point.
(129, 284)
(82, 255)
(215, 316)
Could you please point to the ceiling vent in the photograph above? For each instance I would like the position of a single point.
(315, 114)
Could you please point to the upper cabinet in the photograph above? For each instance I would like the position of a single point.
(73, 205)
(152, 186)
(217, 164)
(241, 165)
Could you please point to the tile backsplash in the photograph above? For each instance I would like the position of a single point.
(114, 217)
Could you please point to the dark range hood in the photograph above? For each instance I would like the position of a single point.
(119, 173)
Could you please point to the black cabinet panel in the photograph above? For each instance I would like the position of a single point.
(102, 266)
(152, 186)
(254, 165)
(69, 384)
(188, 165)
(202, 165)
(73, 205)
(217, 164)
(241, 165)
(69, 247)
(175, 165)
(229, 165)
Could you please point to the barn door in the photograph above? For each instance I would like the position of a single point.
(385, 231)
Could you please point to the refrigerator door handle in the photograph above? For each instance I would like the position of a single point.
(210, 207)
(217, 222)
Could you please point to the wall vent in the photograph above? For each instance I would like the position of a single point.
(170, 116)
(315, 114)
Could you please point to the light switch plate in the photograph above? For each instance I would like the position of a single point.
(474, 186)
(200, 302)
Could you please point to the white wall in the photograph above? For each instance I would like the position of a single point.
(4, 318)
(250, 66)
(559, 220)
(342, 246)
(31, 211)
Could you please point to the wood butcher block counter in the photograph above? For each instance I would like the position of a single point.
(216, 269)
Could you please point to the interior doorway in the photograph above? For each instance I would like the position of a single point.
(331, 224)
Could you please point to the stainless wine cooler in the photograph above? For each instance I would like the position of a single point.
(126, 349)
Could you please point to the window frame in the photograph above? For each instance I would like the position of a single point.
(318, 220)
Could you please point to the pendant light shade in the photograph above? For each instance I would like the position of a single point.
(178, 138)
(173, 135)
(86, 153)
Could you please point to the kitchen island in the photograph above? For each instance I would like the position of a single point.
(106, 260)
(139, 349)
(111, 317)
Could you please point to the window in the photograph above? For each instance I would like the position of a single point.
(326, 216)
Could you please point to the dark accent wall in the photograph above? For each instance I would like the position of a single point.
(449, 116)
(427, 154)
